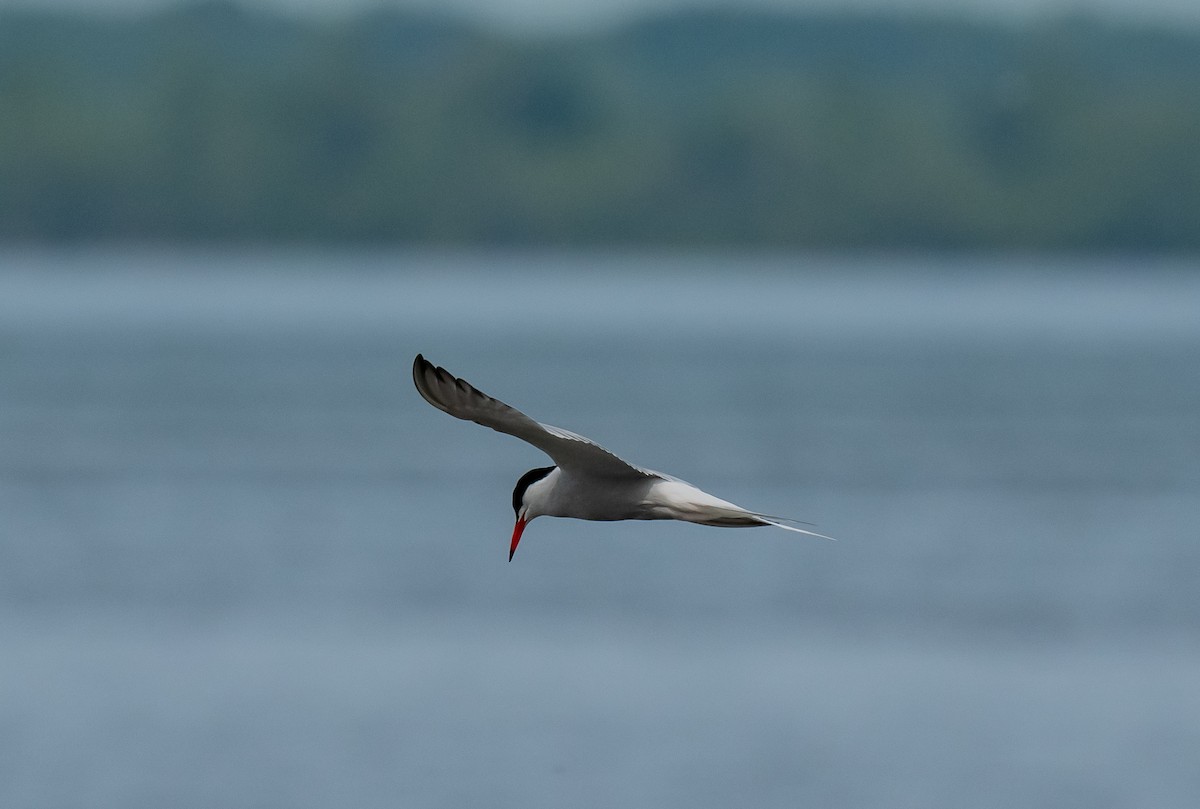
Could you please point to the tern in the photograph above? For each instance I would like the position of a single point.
(587, 482)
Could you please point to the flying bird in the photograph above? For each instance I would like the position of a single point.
(586, 482)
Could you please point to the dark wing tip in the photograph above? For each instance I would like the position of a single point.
(443, 389)
(422, 368)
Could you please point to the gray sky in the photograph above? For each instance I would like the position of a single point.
(558, 14)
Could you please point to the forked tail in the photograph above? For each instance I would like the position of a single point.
(736, 517)
(671, 498)
(781, 522)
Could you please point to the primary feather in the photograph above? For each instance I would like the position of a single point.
(569, 450)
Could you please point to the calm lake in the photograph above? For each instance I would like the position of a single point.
(243, 564)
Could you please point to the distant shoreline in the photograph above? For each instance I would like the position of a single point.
(210, 124)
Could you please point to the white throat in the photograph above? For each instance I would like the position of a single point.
(539, 497)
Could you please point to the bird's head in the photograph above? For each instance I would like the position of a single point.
(527, 497)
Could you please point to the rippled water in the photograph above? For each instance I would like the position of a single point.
(243, 564)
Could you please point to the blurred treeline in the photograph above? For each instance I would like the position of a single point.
(210, 122)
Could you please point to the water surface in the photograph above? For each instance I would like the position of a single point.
(243, 564)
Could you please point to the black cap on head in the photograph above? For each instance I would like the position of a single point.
(527, 480)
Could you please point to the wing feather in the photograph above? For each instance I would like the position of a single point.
(570, 451)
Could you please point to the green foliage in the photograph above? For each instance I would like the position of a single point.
(208, 122)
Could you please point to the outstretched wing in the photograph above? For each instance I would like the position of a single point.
(569, 451)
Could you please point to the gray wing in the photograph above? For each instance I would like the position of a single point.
(569, 451)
